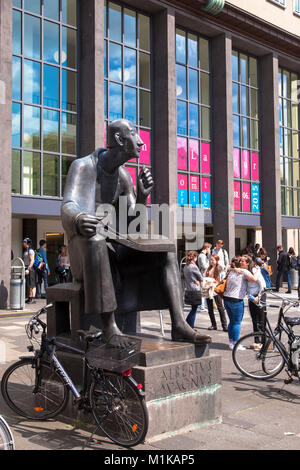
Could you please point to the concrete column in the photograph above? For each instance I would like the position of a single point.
(223, 197)
(270, 157)
(91, 70)
(5, 144)
(164, 109)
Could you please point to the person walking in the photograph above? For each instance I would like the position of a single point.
(235, 291)
(213, 272)
(283, 267)
(44, 271)
(223, 255)
(30, 276)
(63, 265)
(203, 263)
(193, 279)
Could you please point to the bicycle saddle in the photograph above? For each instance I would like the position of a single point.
(88, 335)
(292, 321)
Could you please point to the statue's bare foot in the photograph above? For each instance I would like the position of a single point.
(185, 333)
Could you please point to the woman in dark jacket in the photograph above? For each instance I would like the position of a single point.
(193, 278)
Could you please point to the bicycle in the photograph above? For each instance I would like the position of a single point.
(262, 355)
(37, 387)
(6, 437)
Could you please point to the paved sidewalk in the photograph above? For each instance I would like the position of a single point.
(256, 415)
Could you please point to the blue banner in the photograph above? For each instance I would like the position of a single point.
(194, 199)
(255, 197)
(182, 197)
(205, 200)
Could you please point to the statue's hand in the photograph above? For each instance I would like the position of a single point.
(87, 225)
(145, 182)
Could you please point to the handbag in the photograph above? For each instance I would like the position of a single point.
(192, 297)
(220, 288)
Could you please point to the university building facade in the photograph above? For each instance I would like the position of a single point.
(212, 87)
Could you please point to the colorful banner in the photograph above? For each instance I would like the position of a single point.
(132, 171)
(205, 157)
(236, 163)
(246, 197)
(194, 191)
(182, 190)
(245, 165)
(255, 198)
(255, 166)
(237, 196)
(205, 185)
(145, 150)
(194, 155)
(181, 153)
(205, 200)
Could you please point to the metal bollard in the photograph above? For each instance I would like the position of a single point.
(17, 285)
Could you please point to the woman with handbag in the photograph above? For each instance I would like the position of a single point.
(214, 271)
(193, 279)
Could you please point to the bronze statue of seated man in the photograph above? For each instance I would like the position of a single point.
(116, 273)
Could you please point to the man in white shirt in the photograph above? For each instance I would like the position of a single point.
(223, 255)
(203, 263)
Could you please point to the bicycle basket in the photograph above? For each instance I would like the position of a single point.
(119, 354)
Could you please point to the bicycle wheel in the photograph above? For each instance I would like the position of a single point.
(6, 437)
(118, 409)
(261, 362)
(35, 393)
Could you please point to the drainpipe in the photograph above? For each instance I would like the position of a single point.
(213, 6)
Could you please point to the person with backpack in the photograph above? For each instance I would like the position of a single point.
(42, 268)
(262, 261)
(30, 276)
(223, 257)
(283, 267)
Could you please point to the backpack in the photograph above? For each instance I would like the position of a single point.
(293, 262)
(38, 261)
(266, 276)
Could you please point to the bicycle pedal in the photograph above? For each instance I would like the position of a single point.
(288, 380)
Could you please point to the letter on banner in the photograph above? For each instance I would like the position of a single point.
(194, 155)
(194, 191)
(236, 163)
(255, 197)
(181, 153)
(237, 196)
(145, 150)
(246, 197)
(254, 164)
(182, 190)
(205, 157)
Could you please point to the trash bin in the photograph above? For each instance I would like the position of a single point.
(294, 278)
(17, 285)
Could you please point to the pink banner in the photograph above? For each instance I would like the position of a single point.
(246, 197)
(236, 163)
(182, 182)
(237, 196)
(205, 185)
(205, 157)
(255, 166)
(145, 150)
(194, 155)
(132, 171)
(181, 153)
(194, 183)
(245, 165)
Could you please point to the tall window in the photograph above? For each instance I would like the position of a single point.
(127, 71)
(44, 95)
(289, 142)
(245, 133)
(193, 120)
(297, 6)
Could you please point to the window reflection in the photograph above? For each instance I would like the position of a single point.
(16, 32)
(115, 62)
(144, 70)
(32, 82)
(181, 118)
(180, 46)
(33, 5)
(65, 165)
(130, 104)
(16, 79)
(145, 109)
(51, 42)
(129, 66)
(115, 101)
(31, 173)
(192, 50)
(193, 120)
(193, 85)
(16, 172)
(69, 12)
(129, 27)
(114, 22)
(51, 175)
(16, 125)
(51, 9)
(51, 86)
(69, 90)
(32, 127)
(68, 133)
(69, 50)
(181, 81)
(32, 37)
(50, 130)
(144, 32)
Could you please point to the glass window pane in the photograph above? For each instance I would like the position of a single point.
(68, 133)
(236, 131)
(244, 101)
(145, 109)
(50, 130)
(51, 175)
(115, 101)
(296, 144)
(69, 12)
(69, 49)
(105, 99)
(193, 120)
(254, 103)
(204, 54)
(65, 165)
(286, 84)
(192, 50)
(144, 70)
(144, 32)
(129, 66)
(287, 143)
(280, 112)
(253, 72)
(51, 9)
(114, 24)
(181, 81)
(295, 114)
(180, 46)
(16, 32)
(245, 132)
(32, 37)
(51, 42)
(32, 82)
(283, 211)
(115, 62)
(235, 98)
(294, 78)
(51, 86)
(254, 135)
(296, 193)
(31, 173)
(69, 90)
(281, 171)
(280, 83)
(287, 113)
(205, 99)
(16, 172)
(181, 117)
(33, 5)
(205, 123)
(296, 175)
(289, 201)
(129, 27)
(244, 68)
(16, 79)
(32, 127)
(288, 172)
(105, 58)
(235, 66)
(17, 3)
(130, 104)
(193, 85)
(16, 125)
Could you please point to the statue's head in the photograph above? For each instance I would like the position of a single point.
(122, 134)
